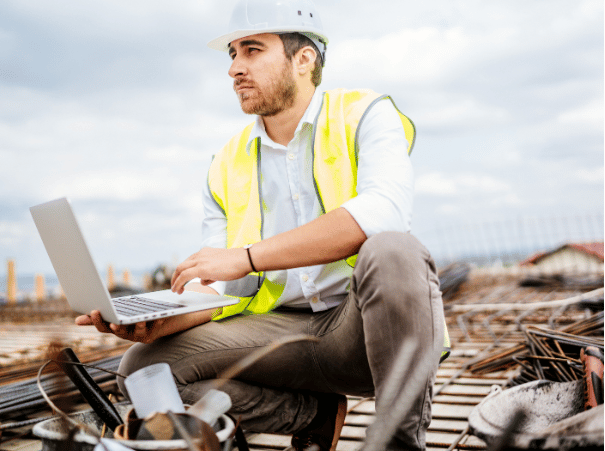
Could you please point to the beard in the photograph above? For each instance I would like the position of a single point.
(275, 98)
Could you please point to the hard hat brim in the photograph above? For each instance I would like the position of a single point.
(222, 42)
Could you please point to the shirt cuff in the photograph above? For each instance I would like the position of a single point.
(219, 286)
(369, 211)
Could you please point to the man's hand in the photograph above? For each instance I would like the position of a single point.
(143, 332)
(149, 331)
(211, 264)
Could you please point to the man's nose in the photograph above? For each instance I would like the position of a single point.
(237, 69)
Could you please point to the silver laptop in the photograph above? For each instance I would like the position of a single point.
(82, 283)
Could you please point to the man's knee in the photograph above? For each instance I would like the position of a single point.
(393, 248)
(396, 268)
(131, 360)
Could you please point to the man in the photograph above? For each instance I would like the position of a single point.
(307, 219)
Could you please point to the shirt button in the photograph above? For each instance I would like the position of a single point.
(314, 300)
(305, 277)
(295, 197)
(291, 156)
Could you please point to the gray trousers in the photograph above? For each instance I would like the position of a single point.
(394, 296)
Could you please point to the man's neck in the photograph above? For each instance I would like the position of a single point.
(281, 127)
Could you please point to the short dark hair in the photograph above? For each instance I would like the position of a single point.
(293, 42)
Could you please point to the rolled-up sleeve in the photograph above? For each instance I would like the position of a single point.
(385, 179)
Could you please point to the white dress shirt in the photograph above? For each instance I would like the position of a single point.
(383, 201)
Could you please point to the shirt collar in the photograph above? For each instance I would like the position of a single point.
(258, 131)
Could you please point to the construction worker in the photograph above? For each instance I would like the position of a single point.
(307, 221)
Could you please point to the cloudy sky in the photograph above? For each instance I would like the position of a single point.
(119, 106)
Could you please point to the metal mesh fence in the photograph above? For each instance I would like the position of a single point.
(510, 242)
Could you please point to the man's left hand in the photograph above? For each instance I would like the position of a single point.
(143, 332)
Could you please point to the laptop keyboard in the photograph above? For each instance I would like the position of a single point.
(137, 305)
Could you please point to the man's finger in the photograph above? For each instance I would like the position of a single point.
(140, 331)
(84, 320)
(174, 275)
(187, 264)
(99, 323)
(120, 331)
(180, 281)
(147, 332)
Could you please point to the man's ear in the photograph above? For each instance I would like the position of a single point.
(305, 60)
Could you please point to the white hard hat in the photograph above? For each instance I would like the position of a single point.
(252, 17)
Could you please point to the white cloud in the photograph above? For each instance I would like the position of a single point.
(120, 184)
(509, 199)
(171, 154)
(441, 184)
(418, 56)
(10, 231)
(435, 183)
(586, 175)
(120, 106)
(7, 43)
(462, 112)
(587, 116)
(483, 183)
(448, 209)
(112, 19)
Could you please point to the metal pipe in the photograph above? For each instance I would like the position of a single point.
(534, 305)
(89, 389)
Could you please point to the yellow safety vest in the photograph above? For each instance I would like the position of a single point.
(234, 181)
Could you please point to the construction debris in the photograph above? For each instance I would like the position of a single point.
(548, 411)
(451, 277)
(547, 354)
(488, 313)
(563, 281)
(22, 398)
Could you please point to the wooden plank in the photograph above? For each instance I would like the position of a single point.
(465, 390)
(349, 445)
(368, 407)
(451, 411)
(21, 445)
(455, 426)
(437, 424)
(354, 419)
(473, 380)
(274, 441)
(443, 411)
(353, 432)
(456, 399)
(443, 438)
(353, 439)
(21, 343)
(450, 365)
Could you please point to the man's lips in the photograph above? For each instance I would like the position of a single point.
(242, 84)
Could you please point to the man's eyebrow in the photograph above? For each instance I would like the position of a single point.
(247, 43)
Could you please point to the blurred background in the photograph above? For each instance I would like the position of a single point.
(120, 106)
